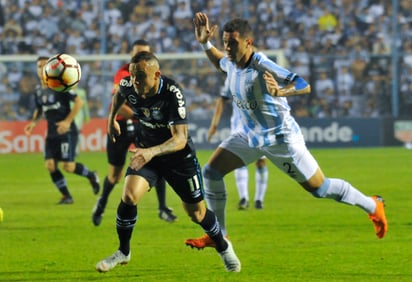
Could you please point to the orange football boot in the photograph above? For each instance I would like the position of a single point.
(201, 242)
(378, 217)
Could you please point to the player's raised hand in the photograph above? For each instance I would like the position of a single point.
(271, 84)
(202, 30)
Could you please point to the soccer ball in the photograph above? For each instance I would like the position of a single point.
(62, 72)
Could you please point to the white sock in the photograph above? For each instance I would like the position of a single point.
(215, 196)
(242, 178)
(261, 182)
(344, 192)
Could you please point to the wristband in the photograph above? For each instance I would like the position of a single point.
(207, 46)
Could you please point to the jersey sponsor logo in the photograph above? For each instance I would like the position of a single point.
(180, 101)
(245, 105)
(55, 106)
(182, 112)
(132, 99)
(179, 95)
(152, 125)
(125, 83)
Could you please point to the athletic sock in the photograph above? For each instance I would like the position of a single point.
(242, 178)
(81, 169)
(344, 192)
(107, 189)
(161, 193)
(215, 196)
(212, 228)
(261, 177)
(60, 182)
(125, 222)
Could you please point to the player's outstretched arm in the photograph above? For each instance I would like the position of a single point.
(203, 34)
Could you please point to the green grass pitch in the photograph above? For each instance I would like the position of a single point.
(294, 238)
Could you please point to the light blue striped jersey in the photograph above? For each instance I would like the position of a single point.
(236, 124)
(267, 119)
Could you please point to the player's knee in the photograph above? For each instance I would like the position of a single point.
(115, 175)
(321, 191)
(67, 167)
(211, 173)
(114, 179)
(50, 166)
(196, 217)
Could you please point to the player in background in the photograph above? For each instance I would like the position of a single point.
(259, 88)
(117, 151)
(241, 174)
(83, 116)
(62, 134)
(165, 150)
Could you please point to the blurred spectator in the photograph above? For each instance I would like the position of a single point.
(338, 36)
(182, 13)
(25, 104)
(406, 92)
(344, 82)
(327, 21)
(325, 88)
(111, 13)
(381, 45)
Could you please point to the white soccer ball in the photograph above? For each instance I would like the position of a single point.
(62, 72)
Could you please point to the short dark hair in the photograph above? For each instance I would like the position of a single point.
(41, 58)
(140, 42)
(240, 25)
(143, 56)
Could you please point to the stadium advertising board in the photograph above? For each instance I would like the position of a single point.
(318, 133)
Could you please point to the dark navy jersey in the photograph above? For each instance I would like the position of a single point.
(157, 113)
(55, 107)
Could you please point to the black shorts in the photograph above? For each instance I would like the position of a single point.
(183, 175)
(117, 151)
(62, 148)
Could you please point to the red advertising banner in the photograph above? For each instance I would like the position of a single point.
(14, 140)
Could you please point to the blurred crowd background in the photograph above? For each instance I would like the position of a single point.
(344, 48)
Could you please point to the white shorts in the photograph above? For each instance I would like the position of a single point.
(294, 159)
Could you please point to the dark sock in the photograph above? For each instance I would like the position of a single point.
(107, 189)
(161, 193)
(212, 228)
(60, 182)
(81, 169)
(125, 222)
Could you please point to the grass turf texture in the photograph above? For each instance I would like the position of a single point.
(294, 238)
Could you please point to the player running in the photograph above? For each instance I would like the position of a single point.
(117, 151)
(163, 150)
(259, 88)
(62, 134)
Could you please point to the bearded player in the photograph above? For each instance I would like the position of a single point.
(117, 151)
